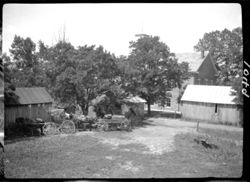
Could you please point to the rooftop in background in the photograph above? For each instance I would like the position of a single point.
(194, 59)
(208, 94)
(135, 99)
(33, 95)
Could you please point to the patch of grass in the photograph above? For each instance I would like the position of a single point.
(222, 162)
(230, 144)
(225, 134)
(83, 155)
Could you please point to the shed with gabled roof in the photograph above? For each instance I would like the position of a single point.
(136, 103)
(210, 103)
(32, 102)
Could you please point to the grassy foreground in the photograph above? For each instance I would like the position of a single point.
(85, 156)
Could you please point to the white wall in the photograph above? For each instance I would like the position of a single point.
(206, 112)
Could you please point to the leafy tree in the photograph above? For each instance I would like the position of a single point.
(57, 58)
(24, 63)
(96, 73)
(77, 75)
(151, 70)
(237, 87)
(181, 94)
(23, 52)
(9, 96)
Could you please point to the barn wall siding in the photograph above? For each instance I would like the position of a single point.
(206, 112)
(35, 111)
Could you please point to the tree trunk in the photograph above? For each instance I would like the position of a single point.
(149, 108)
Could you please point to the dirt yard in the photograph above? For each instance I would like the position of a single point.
(161, 148)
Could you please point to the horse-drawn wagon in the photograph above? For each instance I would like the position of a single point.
(61, 122)
(58, 123)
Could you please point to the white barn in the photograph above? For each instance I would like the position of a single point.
(210, 103)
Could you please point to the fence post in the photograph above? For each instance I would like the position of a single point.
(197, 127)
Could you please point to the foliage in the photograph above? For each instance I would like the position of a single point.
(237, 87)
(78, 75)
(151, 70)
(9, 88)
(181, 94)
(26, 70)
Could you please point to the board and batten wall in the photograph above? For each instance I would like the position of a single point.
(226, 113)
(32, 111)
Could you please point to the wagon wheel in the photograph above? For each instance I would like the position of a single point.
(125, 125)
(128, 125)
(68, 126)
(100, 126)
(105, 127)
(49, 128)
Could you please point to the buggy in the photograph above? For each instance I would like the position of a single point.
(58, 123)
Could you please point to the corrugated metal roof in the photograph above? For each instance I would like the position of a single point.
(208, 94)
(33, 95)
(194, 59)
(135, 99)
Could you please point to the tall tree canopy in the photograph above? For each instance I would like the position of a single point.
(151, 70)
(77, 75)
(25, 65)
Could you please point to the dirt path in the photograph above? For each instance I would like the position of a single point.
(158, 136)
(155, 139)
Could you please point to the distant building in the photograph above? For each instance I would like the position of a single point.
(203, 70)
(209, 103)
(137, 104)
(33, 102)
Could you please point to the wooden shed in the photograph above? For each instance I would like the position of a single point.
(137, 104)
(33, 102)
(210, 103)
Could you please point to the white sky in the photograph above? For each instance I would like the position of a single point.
(114, 25)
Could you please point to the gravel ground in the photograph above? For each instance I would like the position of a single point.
(159, 137)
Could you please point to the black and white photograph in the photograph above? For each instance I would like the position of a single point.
(122, 90)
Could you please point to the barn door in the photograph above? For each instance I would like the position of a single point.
(216, 115)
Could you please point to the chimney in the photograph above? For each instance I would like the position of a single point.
(202, 54)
